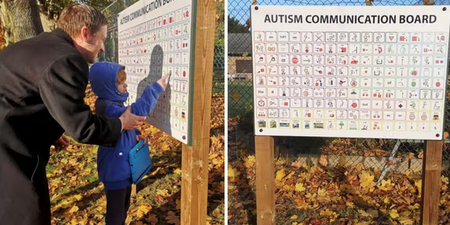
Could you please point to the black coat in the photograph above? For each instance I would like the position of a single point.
(42, 89)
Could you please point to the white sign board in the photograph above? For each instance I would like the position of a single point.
(155, 39)
(361, 72)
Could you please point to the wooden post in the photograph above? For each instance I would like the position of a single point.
(194, 185)
(431, 180)
(265, 180)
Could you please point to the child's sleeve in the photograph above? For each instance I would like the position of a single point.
(113, 110)
(145, 104)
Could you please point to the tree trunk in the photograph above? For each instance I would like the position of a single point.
(20, 20)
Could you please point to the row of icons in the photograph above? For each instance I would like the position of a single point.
(309, 103)
(438, 71)
(365, 37)
(344, 48)
(155, 36)
(318, 82)
(350, 60)
(167, 46)
(350, 125)
(349, 115)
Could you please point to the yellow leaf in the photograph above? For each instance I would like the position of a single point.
(366, 180)
(418, 184)
(386, 185)
(163, 193)
(299, 187)
(294, 217)
(78, 197)
(406, 221)
(327, 213)
(321, 192)
(290, 175)
(393, 213)
(280, 175)
(142, 210)
(386, 200)
(350, 205)
(415, 206)
(233, 172)
(74, 209)
(250, 161)
(177, 171)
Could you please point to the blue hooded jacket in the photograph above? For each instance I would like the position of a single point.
(112, 162)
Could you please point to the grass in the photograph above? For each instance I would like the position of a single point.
(240, 97)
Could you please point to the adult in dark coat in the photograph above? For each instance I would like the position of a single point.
(42, 89)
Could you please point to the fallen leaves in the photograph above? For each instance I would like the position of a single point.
(320, 194)
(77, 196)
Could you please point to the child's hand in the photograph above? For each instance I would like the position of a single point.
(163, 81)
(140, 137)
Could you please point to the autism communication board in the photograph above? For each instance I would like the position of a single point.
(155, 38)
(360, 72)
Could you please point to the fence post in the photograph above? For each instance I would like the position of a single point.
(431, 180)
(194, 184)
(265, 180)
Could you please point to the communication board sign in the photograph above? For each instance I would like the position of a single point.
(350, 71)
(155, 38)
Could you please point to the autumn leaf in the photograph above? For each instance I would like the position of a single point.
(294, 217)
(393, 213)
(299, 187)
(74, 209)
(406, 221)
(233, 173)
(323, 160)
(280, 175)
(418, 184)
(386, 185)
(366, 180)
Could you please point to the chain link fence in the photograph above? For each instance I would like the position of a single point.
(111, 44)
(389, 158)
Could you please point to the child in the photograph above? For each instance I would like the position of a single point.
(108, 81)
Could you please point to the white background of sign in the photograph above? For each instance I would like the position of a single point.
(397, 91)
(145, 63)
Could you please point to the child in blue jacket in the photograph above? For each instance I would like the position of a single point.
(108, 81)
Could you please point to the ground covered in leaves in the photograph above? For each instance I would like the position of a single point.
(77, 196)
(319, 193)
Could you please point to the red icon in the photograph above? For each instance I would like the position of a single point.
(415, 38)
(438, 84)
(402, 38)
(354, 105)
(295, 60)
(184, 73)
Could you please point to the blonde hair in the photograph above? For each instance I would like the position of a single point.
(121, 76)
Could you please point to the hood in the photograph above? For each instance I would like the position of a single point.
(103, 79)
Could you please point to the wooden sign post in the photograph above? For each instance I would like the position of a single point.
(265, 176)
(175, 37)
(431, 180)
(194, 186)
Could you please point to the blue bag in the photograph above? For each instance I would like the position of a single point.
(140, 162)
